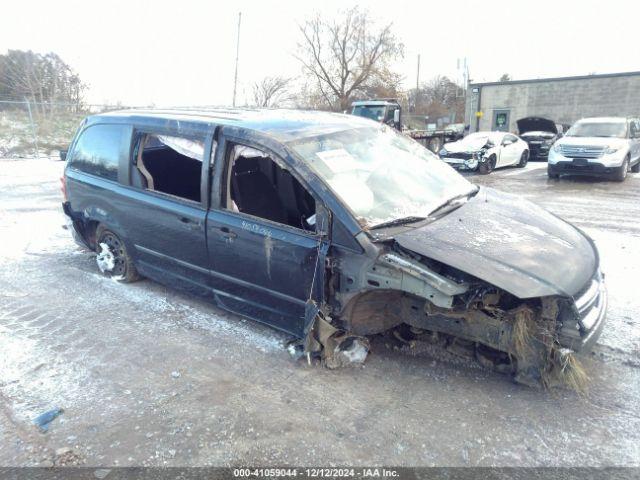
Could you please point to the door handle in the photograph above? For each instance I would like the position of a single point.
(225, 232)
(190, 224)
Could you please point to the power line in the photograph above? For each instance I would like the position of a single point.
(235, 78)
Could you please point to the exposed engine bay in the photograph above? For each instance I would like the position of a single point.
(417, 302)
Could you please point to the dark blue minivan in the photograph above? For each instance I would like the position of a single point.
(332, 228)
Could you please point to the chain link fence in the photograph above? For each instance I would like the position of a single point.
(40, 129)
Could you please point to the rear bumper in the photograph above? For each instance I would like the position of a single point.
(74, 226)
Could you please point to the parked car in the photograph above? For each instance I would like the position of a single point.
(486, 151)
(602, 147)
(332, 229)
(540, 134)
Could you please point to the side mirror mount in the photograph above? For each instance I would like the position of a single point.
(63, 155)
(322, 220)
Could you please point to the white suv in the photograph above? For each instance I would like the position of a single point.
(607, 147)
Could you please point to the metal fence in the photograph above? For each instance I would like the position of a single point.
(37, 129)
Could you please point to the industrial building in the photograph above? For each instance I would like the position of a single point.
(498, 105)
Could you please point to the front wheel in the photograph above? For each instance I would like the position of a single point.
(112, 257)
(487, 166)
(551, 174)
(524, 158)
(621, 173)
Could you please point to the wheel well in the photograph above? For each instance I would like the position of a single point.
(373, 311)
(90, 228)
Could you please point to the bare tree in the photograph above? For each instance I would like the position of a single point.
(44, 79)
(346, 55)
(439, 97)
(505, 77)
(271, 91)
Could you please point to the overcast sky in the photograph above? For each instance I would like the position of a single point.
(181, 52)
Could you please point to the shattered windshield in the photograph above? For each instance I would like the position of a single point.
(598, 129)
(381, 175)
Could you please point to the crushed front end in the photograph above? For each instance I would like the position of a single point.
(425, 302)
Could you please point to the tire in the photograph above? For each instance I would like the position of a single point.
(552, 174)
(621, 172)
(524, 158)
(435, 144)
(636, 167)
(114, 261)
(487, 167)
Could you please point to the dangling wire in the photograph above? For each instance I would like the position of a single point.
(315, 270)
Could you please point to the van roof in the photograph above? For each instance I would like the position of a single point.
(279, 123)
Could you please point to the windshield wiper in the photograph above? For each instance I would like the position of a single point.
(398, 221)
(452, 203)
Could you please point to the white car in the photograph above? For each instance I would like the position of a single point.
(484, 151)
(602, 147)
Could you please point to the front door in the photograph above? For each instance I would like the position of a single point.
(500, 122)
(509, 151)
(266, 259)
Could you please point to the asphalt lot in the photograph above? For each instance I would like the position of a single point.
(149, 376)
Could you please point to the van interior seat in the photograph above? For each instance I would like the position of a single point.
(172, 172)
(253, 192)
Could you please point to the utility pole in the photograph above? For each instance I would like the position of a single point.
(417, 83)
(235, 77)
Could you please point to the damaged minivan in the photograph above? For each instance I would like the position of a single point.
(333, 229)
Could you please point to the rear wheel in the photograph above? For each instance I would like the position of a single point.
(112, 257)
(524, 158)
(487, 166)
(621, 173)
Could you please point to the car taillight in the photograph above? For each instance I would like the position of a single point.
(63, 188)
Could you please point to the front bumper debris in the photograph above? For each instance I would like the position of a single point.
(590, 309)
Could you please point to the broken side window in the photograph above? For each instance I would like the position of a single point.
(257, 185)
(170, 164)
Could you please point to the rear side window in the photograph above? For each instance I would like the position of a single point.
(169, 164)
(97, 150)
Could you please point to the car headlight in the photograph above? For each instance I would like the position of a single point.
(556, 148)
(443, 151)
(611, 150)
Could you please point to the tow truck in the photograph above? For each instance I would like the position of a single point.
(389, 112)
